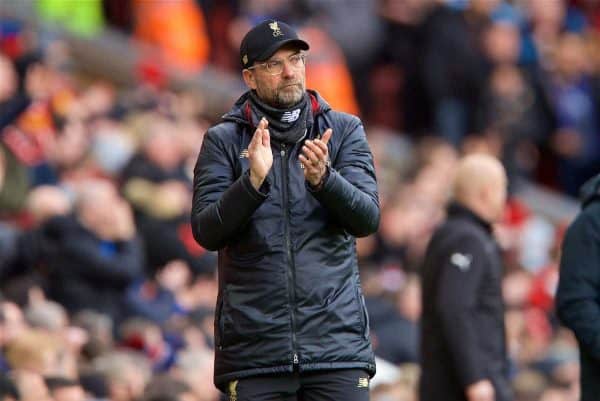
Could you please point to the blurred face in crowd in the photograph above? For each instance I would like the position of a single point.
(175, 275)
(546, 12)
(283, 89)
(97, 206)
(71, 145)
(101, 209)
(8, 79)
(571, 57)
(502, 43)
(162, 147)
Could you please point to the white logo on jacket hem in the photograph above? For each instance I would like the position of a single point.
(463, 262)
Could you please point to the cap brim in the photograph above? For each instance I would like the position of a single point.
(276, 46)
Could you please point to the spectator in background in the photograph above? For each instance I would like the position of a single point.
(452, 69)
(13, 101)
(463, 352)
(12, 325)
(394, 328)
(155, 298)
(575, 96)
(342, 24)
(514, 107)
(195, 368)
(144, 336)
(578, 289)
(36, 351)
(126, 374)
(26, 271)
(166, 388)
(328, 71)
(94, 255)
(156, 184)
(178, 28)
(51, 318)
(99, 329)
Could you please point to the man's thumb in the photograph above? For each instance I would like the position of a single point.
(327, 135)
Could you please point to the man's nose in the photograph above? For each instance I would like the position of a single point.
(288, 70)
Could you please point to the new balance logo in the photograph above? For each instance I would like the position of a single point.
(290, 116)
(244, 154)
(363, 382)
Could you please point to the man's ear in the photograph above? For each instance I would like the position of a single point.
(249, 78)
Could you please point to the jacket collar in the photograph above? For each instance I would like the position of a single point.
(456, 209)
(239, 111)
(590, 191)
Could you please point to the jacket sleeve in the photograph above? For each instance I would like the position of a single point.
(462, 272)
(579, 283)
(350, 190)
(221, 203)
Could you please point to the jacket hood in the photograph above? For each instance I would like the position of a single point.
(238, 111)
(590, 191)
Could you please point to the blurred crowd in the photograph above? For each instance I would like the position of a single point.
(104, 294)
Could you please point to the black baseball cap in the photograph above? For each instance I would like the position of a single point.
(265, 39)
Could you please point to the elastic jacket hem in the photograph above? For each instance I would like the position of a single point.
(221, 381)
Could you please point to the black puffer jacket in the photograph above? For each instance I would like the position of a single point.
(289, 288)
(578, 294)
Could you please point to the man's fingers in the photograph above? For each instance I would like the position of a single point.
(310, 155)
(257, 138)
(316, 149)
(327, 135)
(322, 143)
(263, 123)
(266, 138)
(254, 140)
(309, 167)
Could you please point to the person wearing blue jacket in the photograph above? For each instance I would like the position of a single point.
(578, 294)
(282, 187)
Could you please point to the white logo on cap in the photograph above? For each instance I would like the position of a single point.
(276, 30)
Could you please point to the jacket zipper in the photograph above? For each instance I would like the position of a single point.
(288, 246)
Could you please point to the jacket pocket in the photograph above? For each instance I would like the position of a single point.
(362, 313)
(365, 313)
(220, 322)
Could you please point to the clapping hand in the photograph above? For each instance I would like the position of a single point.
(260, 154)
(315, 158)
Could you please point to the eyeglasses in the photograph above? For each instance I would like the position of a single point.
(275, 67)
